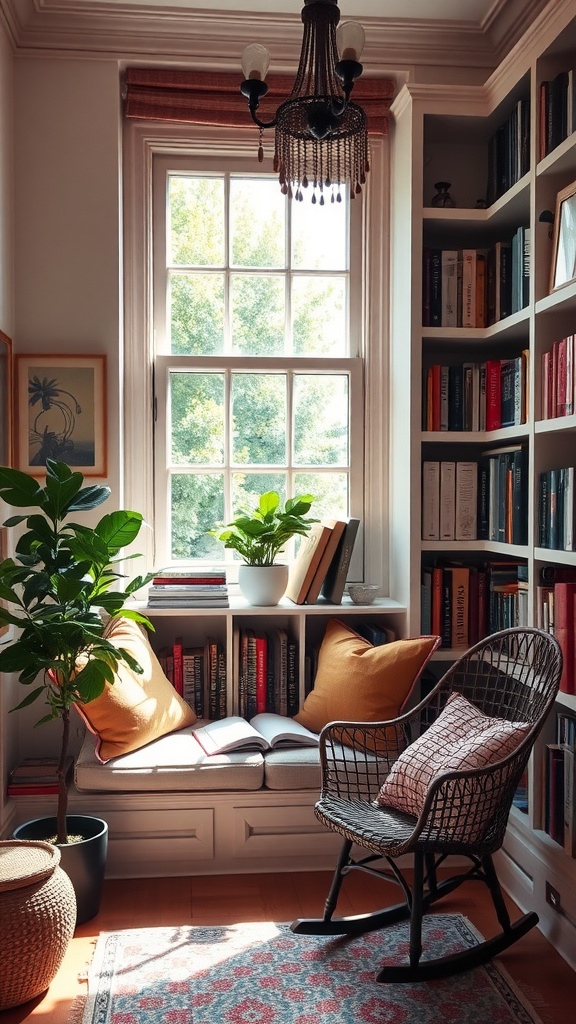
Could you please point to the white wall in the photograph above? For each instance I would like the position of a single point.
(67, 217)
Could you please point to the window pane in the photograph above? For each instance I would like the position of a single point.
(259, 418)
(319, 316)
(195, 221)
(196, 304)
(197, 504)
(330, 492)
(257, 314)
(197, 411)
(247, 488)
(321, 420)
(257, 223)
(319, 236)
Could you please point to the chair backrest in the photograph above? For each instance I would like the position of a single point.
(513, 674)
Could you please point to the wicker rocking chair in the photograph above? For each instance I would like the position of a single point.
(512, 675)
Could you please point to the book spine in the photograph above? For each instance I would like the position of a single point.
(178, 656)
(449, 289)
(564, 608)
(469, 286)
(493, 394)
(431, 500)
(466, 501)
(435, 288)
(292, 680)
(261, 671)
(447, 500)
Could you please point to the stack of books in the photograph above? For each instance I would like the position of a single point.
(190, 588)
(36, 775)
(322, 562)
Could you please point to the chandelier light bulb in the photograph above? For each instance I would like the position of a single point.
(350, 38)
(255, 62)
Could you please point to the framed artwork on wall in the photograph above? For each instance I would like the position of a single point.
(6, 407)
(564, 245)
(61, 412)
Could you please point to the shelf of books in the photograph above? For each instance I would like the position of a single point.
(246, 660)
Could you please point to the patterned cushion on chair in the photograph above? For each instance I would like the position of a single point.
(461, 738)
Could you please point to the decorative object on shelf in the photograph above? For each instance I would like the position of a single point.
(61, 412)
(259, 535)
(563, 268)
(37, 917)
(443, 198)
(480, 204)
(363, 593)
(321, 136)
(53, 591)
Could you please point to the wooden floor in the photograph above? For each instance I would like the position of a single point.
(541, 974)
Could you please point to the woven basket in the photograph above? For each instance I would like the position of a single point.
(37, 918)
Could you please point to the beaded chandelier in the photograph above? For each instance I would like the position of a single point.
(321, 138)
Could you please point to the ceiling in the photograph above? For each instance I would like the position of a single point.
(400, 34)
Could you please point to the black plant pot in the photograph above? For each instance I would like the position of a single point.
(83, 862)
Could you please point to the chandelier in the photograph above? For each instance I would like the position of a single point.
(321, 139)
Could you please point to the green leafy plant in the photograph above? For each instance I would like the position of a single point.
(260, 534)
(52, 593)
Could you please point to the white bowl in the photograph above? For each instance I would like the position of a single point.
(363, 593)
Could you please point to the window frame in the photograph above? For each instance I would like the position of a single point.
(141, 143)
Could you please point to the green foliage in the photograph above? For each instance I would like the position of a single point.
(62, 575)
(260, 534)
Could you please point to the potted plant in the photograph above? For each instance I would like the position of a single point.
(259, 535)
(63, 575)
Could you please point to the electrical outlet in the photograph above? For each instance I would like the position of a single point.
(553, 897)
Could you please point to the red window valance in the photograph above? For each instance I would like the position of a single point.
(206, 97)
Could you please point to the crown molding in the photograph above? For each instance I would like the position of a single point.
(208, 37)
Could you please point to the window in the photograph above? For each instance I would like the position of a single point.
(258, 384)
(161, 364)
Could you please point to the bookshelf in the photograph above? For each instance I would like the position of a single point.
(442, 133)
(304, 625)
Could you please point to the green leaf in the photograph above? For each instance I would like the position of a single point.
(19, 489)
(29, 699)
(119, 529)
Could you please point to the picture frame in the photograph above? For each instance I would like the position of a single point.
(60, 412)
(563, 269)
(6, 401)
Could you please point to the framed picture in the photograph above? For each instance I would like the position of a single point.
(564, 245)
(61, 412)
(6, 407)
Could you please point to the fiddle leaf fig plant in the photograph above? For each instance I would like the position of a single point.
(63, 575)
(259, 535)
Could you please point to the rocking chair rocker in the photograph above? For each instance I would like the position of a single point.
(512, 675)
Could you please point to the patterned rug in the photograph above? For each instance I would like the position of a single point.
(261, 973)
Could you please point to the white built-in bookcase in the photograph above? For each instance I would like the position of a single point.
(441, 133)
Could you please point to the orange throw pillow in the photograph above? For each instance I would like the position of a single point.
(357, 682)
(135, 709)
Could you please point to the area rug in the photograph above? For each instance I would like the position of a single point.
(261, 973)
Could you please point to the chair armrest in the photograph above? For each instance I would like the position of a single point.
(356, 757)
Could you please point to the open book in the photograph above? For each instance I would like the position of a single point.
(263, 732)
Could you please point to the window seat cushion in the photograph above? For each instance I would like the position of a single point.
(172, 763)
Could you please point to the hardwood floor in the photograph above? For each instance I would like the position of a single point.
(541, 974)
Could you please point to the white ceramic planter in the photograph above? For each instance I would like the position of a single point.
(263, 584)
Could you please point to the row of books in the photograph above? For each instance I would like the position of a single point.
(509, 152)
(189, 588)
(322, 562)
(558, 379)
(37, 775)
(464, 603)
(556, 613)
(556, 524)
(485, 499)
(559, 810)
(476, 396)
(267, 672)
(557, 111)
(198, 674)
(476, 287)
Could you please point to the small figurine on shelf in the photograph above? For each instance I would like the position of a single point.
(442, 197)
